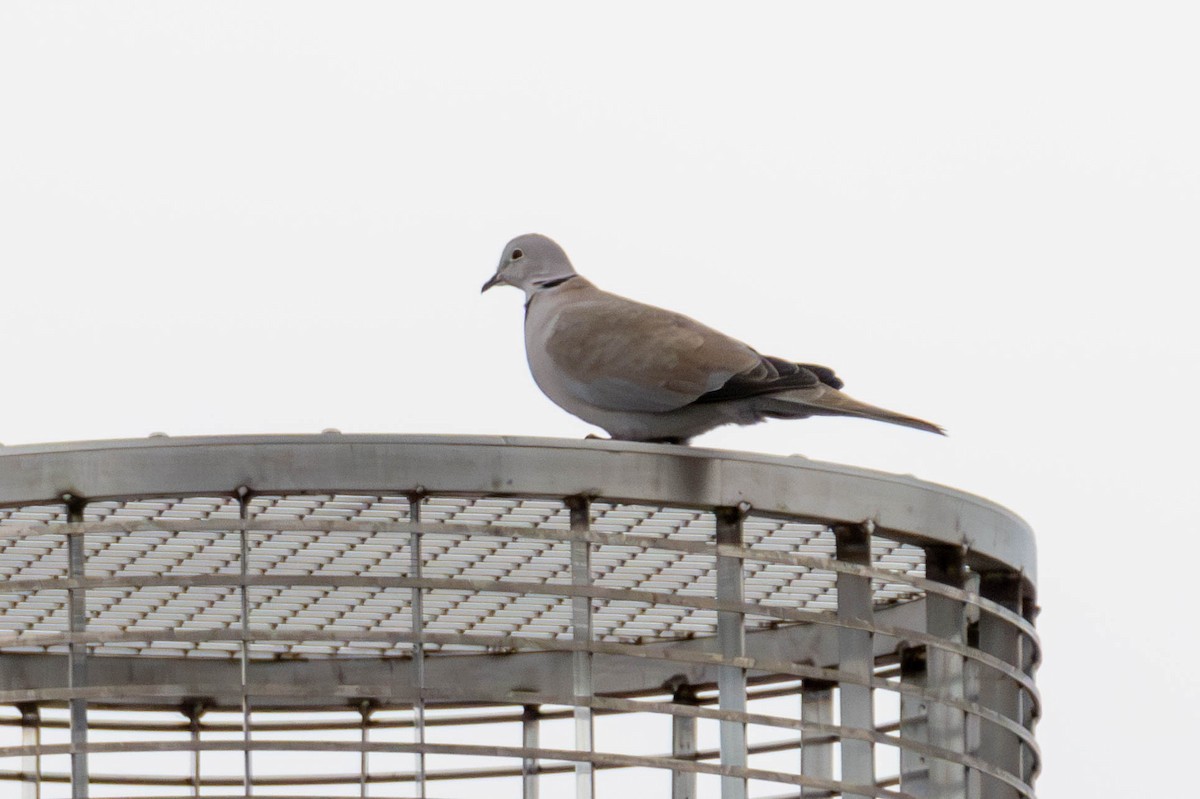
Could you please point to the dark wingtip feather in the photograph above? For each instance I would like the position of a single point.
(824, 374)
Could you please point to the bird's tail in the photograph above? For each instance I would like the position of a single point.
(831, 402)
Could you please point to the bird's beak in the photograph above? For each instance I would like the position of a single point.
(495, 280)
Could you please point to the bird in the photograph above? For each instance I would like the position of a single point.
(643, 373)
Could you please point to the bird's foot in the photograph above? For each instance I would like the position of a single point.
(594, 437)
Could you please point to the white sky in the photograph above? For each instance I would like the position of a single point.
(275, 217)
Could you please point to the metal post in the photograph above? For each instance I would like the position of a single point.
(530, 725)
(683, 743)
(731, 637)
(816, 748)
(946, 619)
(77, 653)
(1001, 639)
(581, 632)
(972, 676)
(914, 723)
(364, 763)
(31, 765)
(194, 713)
(418, 632)
(856, 655)
(243, 498)
(1029, 611)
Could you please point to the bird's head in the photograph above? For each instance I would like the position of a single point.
(532, 263)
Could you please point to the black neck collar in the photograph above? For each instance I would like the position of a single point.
(549, 284)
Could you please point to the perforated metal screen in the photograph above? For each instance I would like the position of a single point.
(163, 553)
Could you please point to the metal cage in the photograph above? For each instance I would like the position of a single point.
(430, 616)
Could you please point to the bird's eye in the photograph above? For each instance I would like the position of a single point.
(517, 254)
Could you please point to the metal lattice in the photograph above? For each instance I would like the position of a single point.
(508, 587)
(134, 544)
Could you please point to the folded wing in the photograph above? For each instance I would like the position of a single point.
(621, 355)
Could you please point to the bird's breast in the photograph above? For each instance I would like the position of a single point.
(539, 326)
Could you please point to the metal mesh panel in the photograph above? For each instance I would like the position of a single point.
(167, 553)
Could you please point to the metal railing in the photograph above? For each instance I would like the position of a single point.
(783, 627)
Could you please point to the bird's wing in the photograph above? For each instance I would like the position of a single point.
(621, 355)
(771, 376)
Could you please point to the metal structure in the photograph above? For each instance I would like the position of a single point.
(385, 616)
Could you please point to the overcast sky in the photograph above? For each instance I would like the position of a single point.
(222, 218)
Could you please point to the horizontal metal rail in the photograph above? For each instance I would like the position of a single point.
(793, 488)
(297, 780)
(617, 705)
(569, 755)
(623, 650)
(512, 643)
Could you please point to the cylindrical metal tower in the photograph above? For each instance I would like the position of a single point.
(425, 616)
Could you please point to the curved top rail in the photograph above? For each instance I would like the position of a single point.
(653, 474)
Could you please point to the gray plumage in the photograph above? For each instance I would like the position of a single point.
(647, 374)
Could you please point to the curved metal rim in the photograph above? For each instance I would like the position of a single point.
(608, 703)
(600, 759)
(505, 642)
(498, 466)
(567, 755)
(616, 539)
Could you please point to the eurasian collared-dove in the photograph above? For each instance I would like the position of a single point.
(647, 374)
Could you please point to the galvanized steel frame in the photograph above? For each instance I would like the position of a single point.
(973, 737)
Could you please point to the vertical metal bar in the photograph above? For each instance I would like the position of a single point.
(731, 637)
(856, 655)
(946, 619)
(972, 676)
(364, 761)
(914, 723)
(816, 748)
(683, 743)
(243, 498)
(194, 713)
(1001, 639)
(31, 765)
(418, 631)
(581, 632)
(1029, 610)
(77, 653)
(530, 729)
